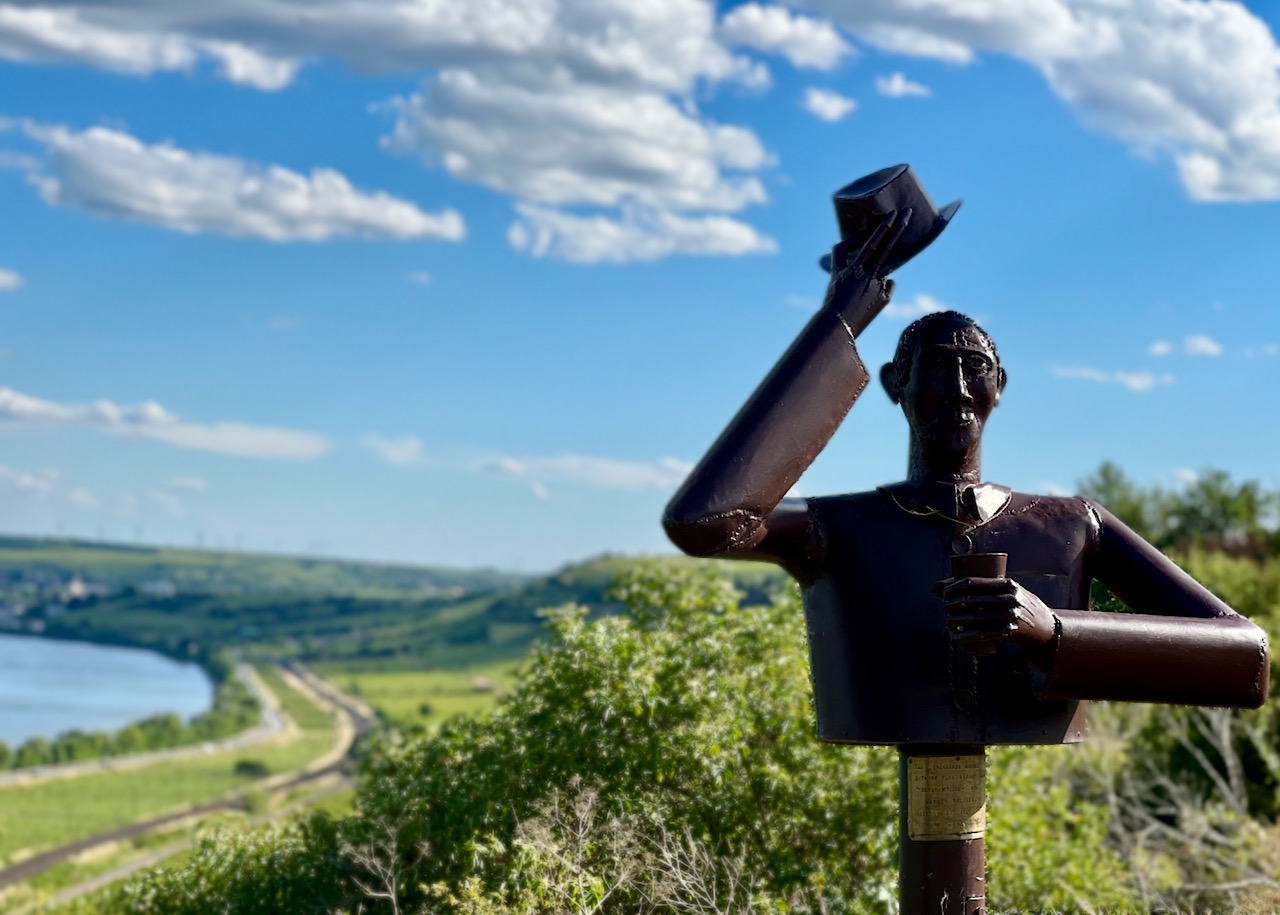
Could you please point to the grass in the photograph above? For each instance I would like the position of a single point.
(425, 698)
(52, 813)
(301, 709)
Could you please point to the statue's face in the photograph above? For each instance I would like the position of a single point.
(954, 385)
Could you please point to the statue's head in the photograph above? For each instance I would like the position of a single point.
(947, 377)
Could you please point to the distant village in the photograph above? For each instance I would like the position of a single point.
(31, 597)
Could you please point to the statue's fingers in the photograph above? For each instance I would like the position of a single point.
(981, 619)
(869, 255)
(982, 636)
(974, 586)
(898, 224)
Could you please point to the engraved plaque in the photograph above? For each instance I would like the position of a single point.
(946, 797)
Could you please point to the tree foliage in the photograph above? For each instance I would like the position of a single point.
(679, 736)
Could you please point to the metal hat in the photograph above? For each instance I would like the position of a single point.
(863, 205)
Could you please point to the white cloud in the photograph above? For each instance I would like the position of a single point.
(804, 41)
(827, 105)
(1271, 349)
(671, 42)
(9, 280)
(41, 481)
(188, 484)
(608, 473)
(400, 451)
(639, 235)
(1202, 345)
(896, 85)
(1186, 476)
(918, 307)
(1160, 348)
(151, 420)
(1134, 381)
(597, 145)
(1198, 83)
(806, 302)
(113, 174)
(421, 277)
(1049, 488)
(82, 498)
(555, 102)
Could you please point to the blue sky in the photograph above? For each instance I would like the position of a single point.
(475, 283)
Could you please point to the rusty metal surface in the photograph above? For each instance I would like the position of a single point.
(994, 659)
(939, 876)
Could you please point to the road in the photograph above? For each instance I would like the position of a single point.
(271, 724)
(354, 719)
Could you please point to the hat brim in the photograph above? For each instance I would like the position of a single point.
(903, 253)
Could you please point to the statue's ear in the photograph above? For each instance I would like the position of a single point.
(1002, 380)
(889, 378)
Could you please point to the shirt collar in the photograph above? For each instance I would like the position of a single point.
(949, 499)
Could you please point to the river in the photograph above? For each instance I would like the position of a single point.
(49, 686)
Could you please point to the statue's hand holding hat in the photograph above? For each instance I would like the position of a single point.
(865, 204)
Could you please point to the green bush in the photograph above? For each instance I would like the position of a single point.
(661, 759)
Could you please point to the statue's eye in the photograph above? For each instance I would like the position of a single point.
(977, 365)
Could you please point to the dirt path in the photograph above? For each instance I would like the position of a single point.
(354, 719)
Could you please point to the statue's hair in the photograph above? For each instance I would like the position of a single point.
(910, 337)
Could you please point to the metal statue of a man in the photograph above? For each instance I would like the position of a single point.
(903, 651)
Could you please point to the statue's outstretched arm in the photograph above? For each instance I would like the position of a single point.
(1181, 644)
(731, 505)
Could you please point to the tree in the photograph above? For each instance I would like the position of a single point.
(680, 734)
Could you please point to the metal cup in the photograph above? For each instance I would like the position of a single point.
(980, 565)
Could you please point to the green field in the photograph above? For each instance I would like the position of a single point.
(425, 698)
(51, 813)
(27, 562)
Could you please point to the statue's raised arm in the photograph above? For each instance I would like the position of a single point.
(732, 504)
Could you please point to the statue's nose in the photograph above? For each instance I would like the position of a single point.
(962, 384)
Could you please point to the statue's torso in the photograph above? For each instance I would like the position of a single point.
(883, 668)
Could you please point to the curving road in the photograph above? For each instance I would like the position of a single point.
(355, 719)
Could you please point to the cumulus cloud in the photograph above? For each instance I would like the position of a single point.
(918, 307)
(826, 104)
(41, 481)
(665, 473)
(1202, 345)
(640, 234)
(113, 174)
(9, 280)
(565, 103)
(1134, 381)
(804, 41)
(400, 451)
(580, 144)
(1193, 345)
(1196, 82)
(151, 420)
(667, 41)
(896, 85)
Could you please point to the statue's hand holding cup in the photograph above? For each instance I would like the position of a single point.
(969, 626)
(983, 606)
